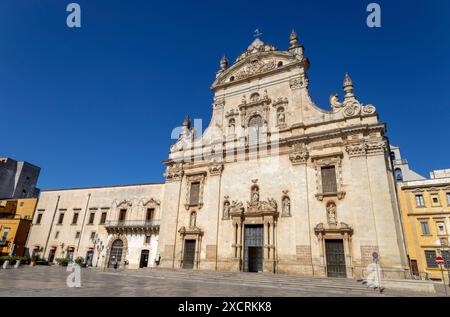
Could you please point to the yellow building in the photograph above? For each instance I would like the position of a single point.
(15, 223)
(425, 207)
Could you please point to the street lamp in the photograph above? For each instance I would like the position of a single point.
(98, 245)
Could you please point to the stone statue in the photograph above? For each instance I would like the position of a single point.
(226, 209)
(231, 126)
(281, 117)
(286, 206)
(255, 194)
(331, 213)
(273, 203)
(334, 101)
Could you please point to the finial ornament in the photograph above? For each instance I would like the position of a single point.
(224, 63)
(293, 40)
(187, 122)
(348, 87)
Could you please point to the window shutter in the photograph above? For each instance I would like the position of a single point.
(329, 184)
(195, 193)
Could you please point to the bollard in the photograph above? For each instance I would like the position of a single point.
(6, 264)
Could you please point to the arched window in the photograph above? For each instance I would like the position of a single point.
(393, 156)
(280, 64)
(254, 126)
(255, 122)
(398, 175)
(115, 256)
(231, 78)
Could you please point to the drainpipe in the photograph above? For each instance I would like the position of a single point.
(84, 220)
(51, 225)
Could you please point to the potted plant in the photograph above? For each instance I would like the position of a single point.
(62, 261)
(9, 260)
(80, 261)
(6, 261)
(34, 258)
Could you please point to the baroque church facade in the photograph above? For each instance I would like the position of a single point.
(274, 184)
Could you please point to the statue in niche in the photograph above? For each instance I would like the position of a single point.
(255, 194)
(331, 213)
(286, 208)
(231, 126)
(193, 220)
(226, 209)
(281, 116)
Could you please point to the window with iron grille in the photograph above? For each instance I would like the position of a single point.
(430, 257)
(329, 183)
(194, 193)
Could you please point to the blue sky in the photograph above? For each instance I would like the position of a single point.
(96, 106)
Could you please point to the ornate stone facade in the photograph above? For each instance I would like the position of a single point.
(283, 180)
(274, 184)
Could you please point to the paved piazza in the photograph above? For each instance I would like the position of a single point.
(51, 281)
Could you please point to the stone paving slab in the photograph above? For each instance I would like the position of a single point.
(51, 281)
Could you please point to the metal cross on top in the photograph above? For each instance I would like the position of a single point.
(257, 33)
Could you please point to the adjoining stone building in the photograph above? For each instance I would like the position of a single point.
(277, 184)
(104, 225)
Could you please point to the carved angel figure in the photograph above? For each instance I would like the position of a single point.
(334, 101)
(273, 203)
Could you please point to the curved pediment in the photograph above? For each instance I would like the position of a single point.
(255, 64)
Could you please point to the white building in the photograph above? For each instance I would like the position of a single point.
(104, 225)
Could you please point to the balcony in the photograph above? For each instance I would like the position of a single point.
(132, 226)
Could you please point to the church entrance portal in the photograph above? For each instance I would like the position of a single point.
(253, 252)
